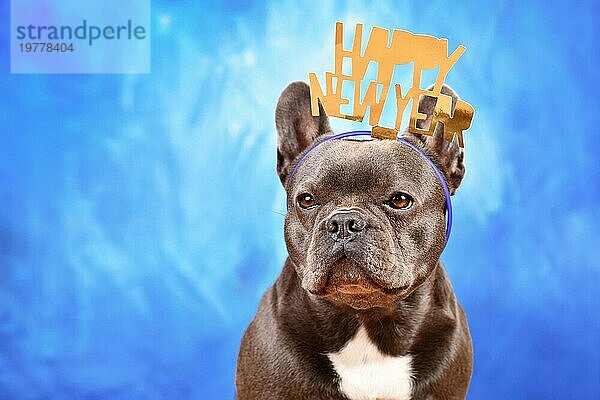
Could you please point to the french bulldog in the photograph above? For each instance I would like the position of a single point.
(363, 308)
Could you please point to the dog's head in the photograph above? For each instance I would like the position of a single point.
(366, 219)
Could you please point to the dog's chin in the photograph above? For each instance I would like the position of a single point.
(347, 284)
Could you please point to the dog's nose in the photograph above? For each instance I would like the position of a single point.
(345, 225)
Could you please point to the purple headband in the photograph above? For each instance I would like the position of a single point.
(421, 153)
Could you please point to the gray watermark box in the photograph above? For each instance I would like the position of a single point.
(84, 36)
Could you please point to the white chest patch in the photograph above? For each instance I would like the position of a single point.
(367, 374)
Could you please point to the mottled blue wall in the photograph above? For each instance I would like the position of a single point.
(140, 214)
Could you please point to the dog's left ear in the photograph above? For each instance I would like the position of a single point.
(447, 155)
(297, 129)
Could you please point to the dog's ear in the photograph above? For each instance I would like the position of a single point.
(447, 155)
(297, 129)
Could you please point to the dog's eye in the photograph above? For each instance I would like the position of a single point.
(306, 200)
(400, 201)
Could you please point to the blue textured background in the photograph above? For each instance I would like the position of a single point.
(139, 218)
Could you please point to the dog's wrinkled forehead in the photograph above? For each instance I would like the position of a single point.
(364, 166)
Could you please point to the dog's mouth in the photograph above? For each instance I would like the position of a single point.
(356, 288)
(349, 284)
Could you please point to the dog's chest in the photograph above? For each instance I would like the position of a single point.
(367, 374)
